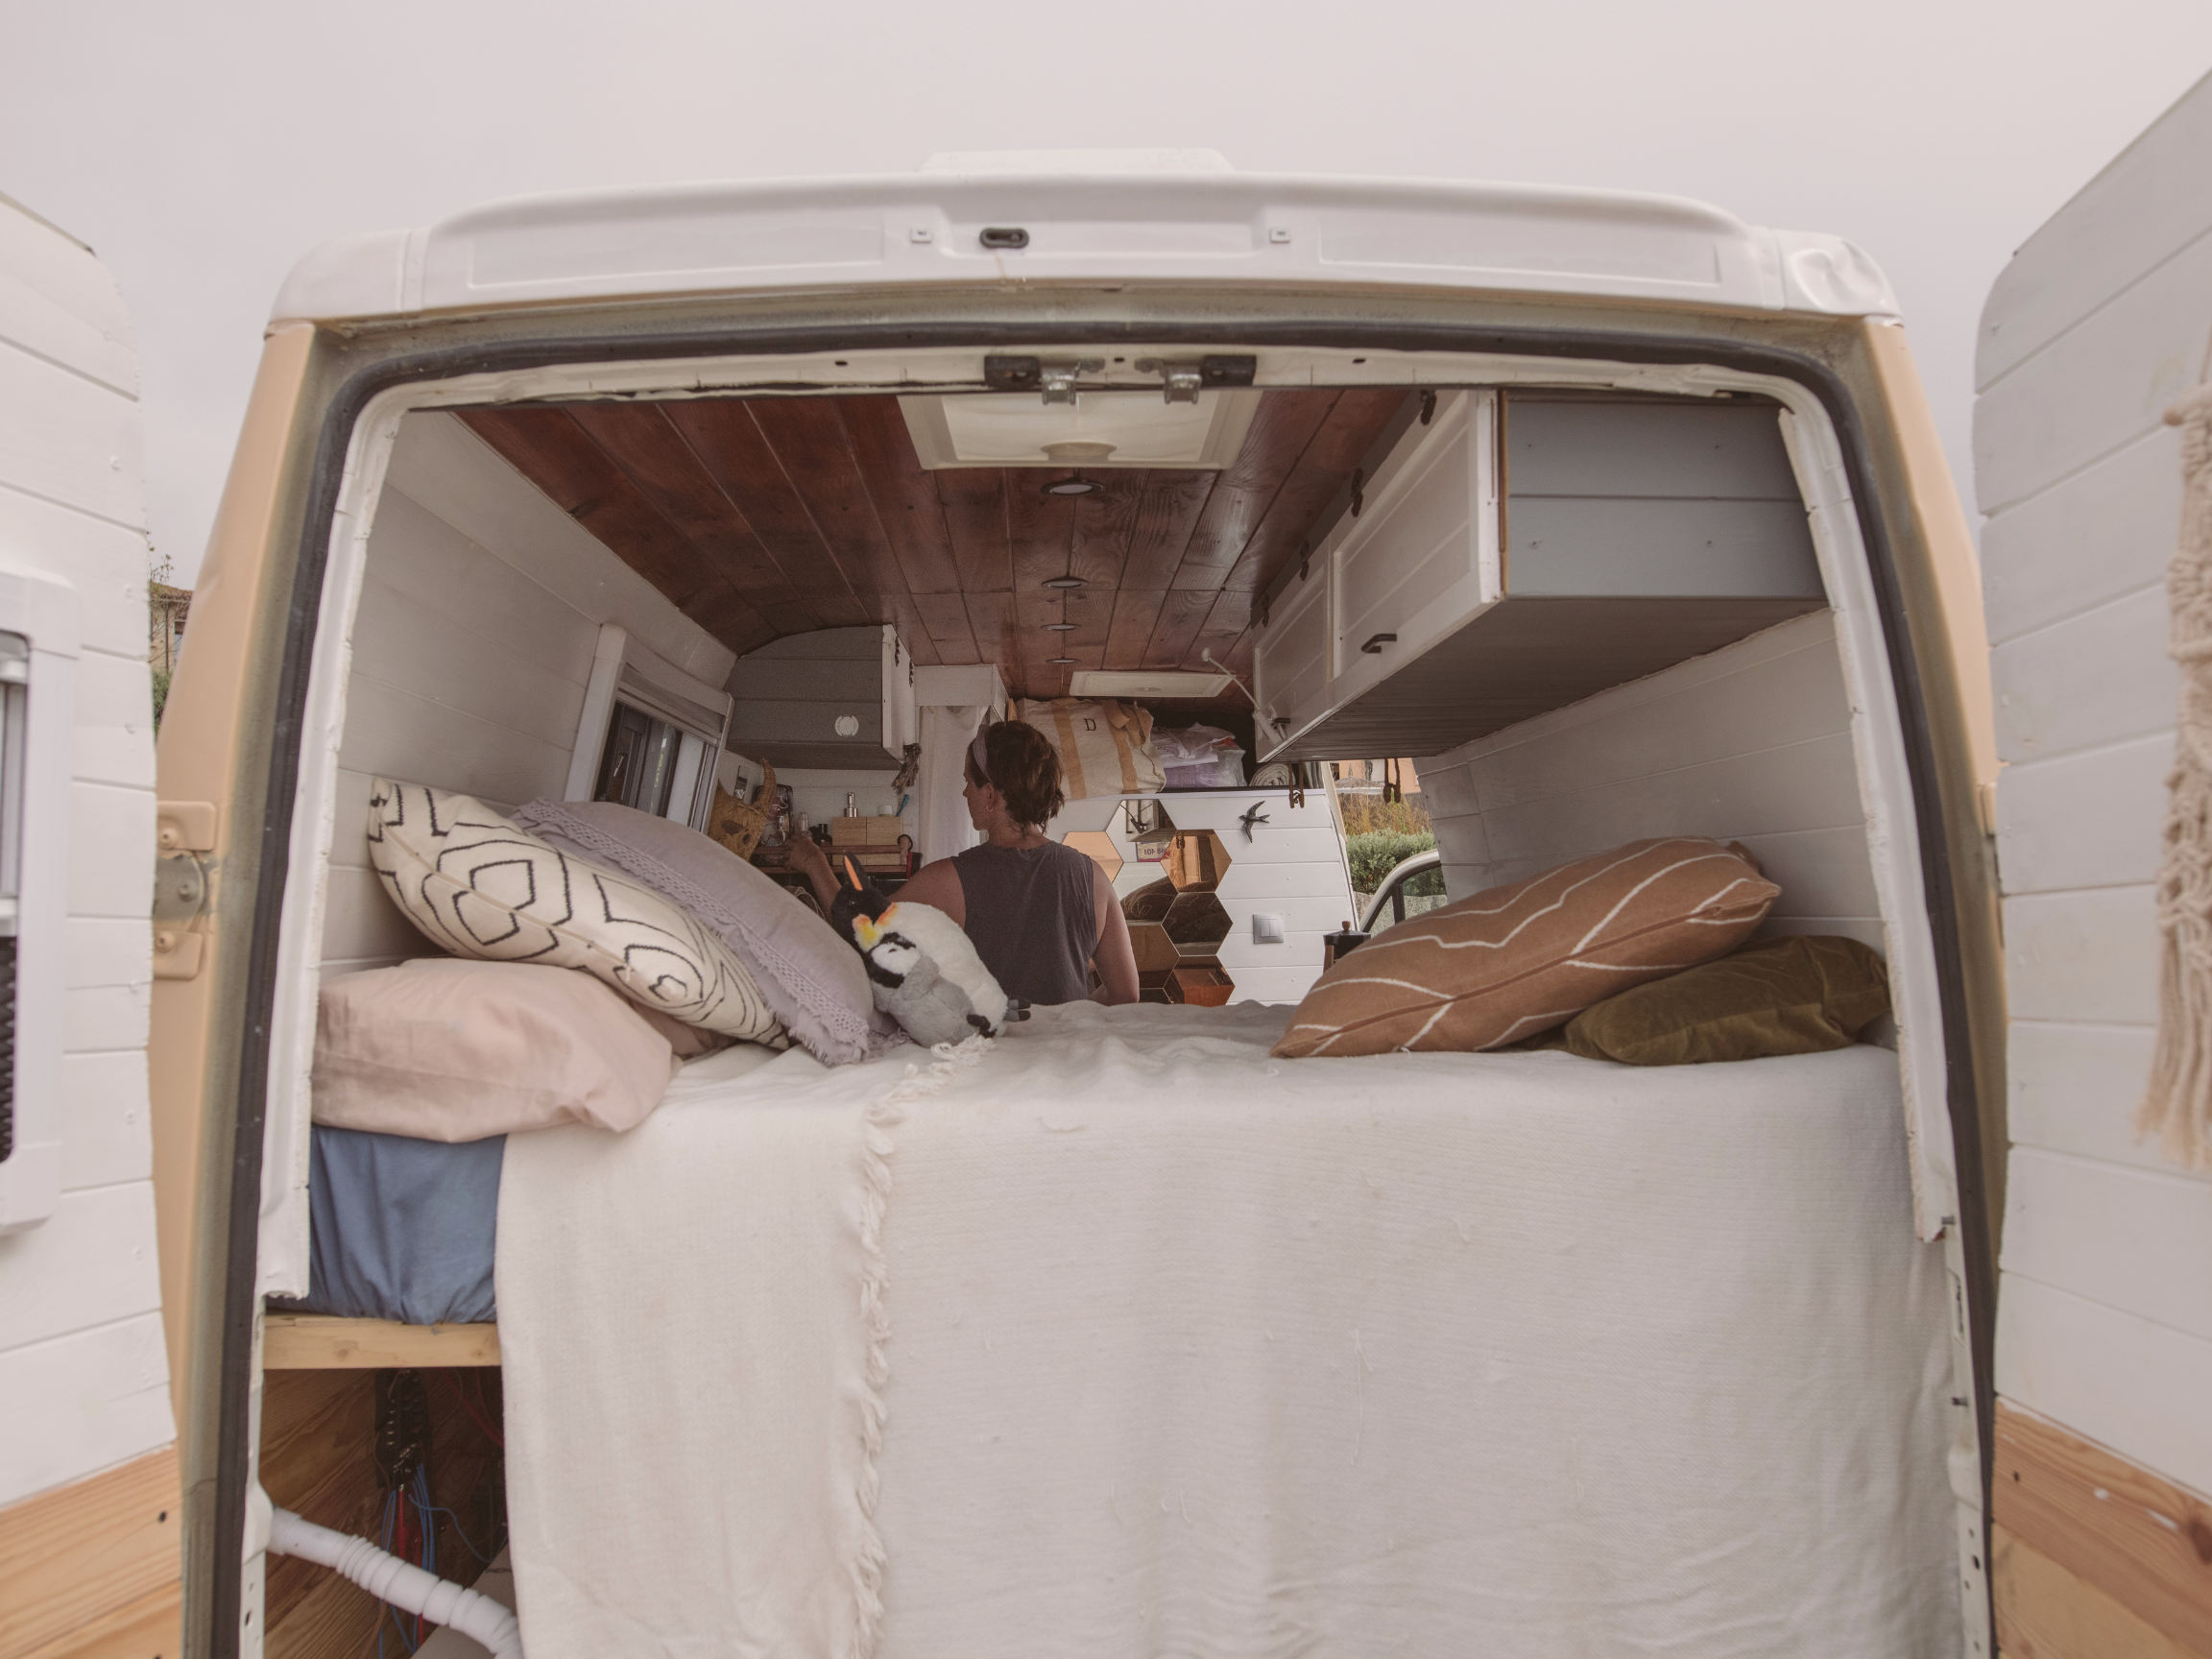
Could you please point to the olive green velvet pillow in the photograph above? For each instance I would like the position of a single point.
(1791, 996)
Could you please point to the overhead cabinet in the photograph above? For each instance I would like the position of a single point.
(1514, 553)
(839, 697)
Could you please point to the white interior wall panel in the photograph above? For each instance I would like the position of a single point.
(1751, 743)
(2103, 320)
(80, 1349)
(472, 648)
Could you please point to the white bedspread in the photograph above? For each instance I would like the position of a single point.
(1192, 1351)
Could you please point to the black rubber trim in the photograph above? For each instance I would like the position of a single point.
(449, 363)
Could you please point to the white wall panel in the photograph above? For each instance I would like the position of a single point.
(101, 1019)
(108, 1136)
(2102, 677)
(2137, 1240)
(56, 302)
(2096, 327)
(2075, 1087)
(2125, 1381)
(2104, 533)
(105, 561)
(68, 440)
(90, 1263)
(2152, 200)
(2085, 820)
(2106, 382)
(2088, 956)
(98, 1398)
(114, 721)
(83, 1374)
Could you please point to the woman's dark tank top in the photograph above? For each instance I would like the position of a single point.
(1032, 918)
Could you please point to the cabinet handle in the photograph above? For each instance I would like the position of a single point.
(1376, 642)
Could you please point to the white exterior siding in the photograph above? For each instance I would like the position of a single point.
(2103, 320)
(83, 1381)
(1751, 744)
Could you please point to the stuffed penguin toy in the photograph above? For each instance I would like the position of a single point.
(926, 975)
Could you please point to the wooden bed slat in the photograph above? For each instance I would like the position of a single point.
(322, 1342)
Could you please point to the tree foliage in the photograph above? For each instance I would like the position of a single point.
(1375, 854)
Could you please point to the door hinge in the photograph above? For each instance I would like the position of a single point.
(180, 894)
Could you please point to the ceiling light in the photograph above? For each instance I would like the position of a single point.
(1063, 581)
(1076, 486)
(1060, 662)
(1060, 627)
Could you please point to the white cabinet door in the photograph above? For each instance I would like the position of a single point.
(1416, 562)
(1421, 558)
(1291, 667)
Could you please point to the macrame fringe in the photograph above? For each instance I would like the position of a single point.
(2177, 1108)
(876, 1150)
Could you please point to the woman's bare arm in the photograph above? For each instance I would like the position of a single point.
(1114, 960)
(937, 886)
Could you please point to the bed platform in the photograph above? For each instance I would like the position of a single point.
(329, 1342)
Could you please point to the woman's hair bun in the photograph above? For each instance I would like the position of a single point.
(1022, 765)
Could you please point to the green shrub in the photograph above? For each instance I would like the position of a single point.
(1378, 851)
(160, 695)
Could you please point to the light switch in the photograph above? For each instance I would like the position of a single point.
(1267, 929)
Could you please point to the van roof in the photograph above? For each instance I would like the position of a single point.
(1153, 216)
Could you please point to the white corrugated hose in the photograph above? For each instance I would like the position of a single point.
(409, 1588)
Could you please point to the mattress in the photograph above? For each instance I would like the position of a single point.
(1129, 1339)
(402, 1228)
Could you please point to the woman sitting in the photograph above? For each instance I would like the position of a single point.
(1042, 916)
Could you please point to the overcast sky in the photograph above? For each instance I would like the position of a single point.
(203, 149)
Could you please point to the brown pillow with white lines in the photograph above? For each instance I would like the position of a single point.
(1516, 960)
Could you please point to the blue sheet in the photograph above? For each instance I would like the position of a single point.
(403, 1229)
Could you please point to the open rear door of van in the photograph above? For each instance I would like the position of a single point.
(90, 1506)
(2095, 344)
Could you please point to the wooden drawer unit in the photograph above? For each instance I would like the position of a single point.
(1517, 552)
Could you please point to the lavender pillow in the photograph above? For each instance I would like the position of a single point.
(812, 980)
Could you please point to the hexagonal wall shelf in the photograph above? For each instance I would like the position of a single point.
(1196, 923)
(1176, 935)
(1196, 861)
(1098, 847)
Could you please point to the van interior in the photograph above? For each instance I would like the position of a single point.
(1589, 616)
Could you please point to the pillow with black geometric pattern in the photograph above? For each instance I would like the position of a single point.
(478, 886)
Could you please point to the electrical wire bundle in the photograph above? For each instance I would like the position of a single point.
(410, 1520)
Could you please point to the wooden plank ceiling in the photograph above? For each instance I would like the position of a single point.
(766, 516)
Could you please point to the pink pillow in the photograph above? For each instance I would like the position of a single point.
(447, 1049)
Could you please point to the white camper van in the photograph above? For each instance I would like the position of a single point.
(1204, 1323)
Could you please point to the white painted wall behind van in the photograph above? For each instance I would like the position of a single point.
(2103, 320)
(84, 1375)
